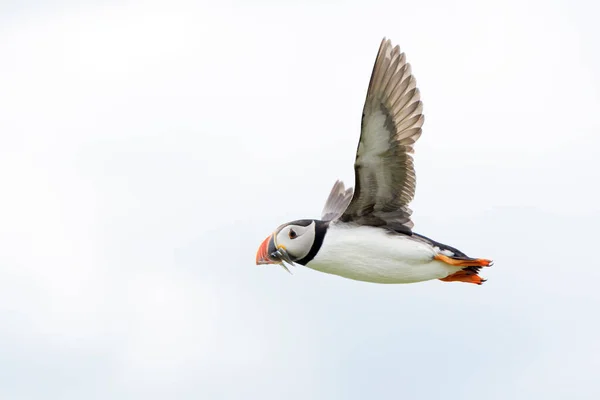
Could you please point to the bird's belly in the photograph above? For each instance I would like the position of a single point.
(373, 255)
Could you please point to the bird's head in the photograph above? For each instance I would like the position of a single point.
(291, 243)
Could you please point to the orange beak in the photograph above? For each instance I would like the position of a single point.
(265, 251)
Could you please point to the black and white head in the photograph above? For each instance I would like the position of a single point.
(296, 242)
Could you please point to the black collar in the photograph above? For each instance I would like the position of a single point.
(320, 230)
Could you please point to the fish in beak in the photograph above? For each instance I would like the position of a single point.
(270, 253)
(267, 252)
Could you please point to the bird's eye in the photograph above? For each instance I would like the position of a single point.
(292, 234)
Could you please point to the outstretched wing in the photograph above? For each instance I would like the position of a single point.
(337, 202)
(391, 124)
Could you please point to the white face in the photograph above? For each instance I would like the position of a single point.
(297, 240)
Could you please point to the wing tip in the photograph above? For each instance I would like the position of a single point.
(337, 201)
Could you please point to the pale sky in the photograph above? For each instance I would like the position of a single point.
(147, 148)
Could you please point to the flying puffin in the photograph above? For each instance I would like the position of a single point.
(366, 234)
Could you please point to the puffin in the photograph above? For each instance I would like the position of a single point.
(366, 234)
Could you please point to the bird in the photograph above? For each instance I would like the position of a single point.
(366, 234)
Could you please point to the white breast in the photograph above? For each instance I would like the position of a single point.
(371, 254)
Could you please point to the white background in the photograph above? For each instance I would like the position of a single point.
(147, 148)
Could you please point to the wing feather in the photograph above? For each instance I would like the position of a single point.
(391, 124)
(337, 202)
